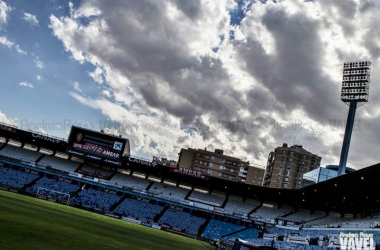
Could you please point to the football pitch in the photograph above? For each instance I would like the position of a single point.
(30, 223)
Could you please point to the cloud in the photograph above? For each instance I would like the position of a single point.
(39, 63)
(4, 40)
(4, 9)
(76, 86)
(32, 19)
(26, 84)
(5, 119)
(39, 77)
(274, 77)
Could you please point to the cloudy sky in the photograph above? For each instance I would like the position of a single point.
(240, 75)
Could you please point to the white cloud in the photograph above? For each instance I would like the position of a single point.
(284, 64)
(97, 75)
(4, 9)
(39, 63)
(7, 120)
(20, 51)
(77, 87)
(39, 78)
(32, 19)
(4, 40)
(26, 84)
(106, 93)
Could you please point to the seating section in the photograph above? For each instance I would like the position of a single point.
(15, 178)
(215, 229)
(20, 153)
(239, 207)
(206, 198)
(303, 216)
(95, 170)
(130, 181)
(138, 209)
(182, 220)
(267, 213)
(247, 235)
(168, 192)
(53, 185)
(96, 199)
(59, 163)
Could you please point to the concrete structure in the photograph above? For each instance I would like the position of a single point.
(218, 165)
(286, 166)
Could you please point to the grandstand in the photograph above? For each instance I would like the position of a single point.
(132, 182)
(95, 199)
(167, 191)
(59, 163)
(209, 199)
(216, 229)
(182, 220)
(50, 187)
(138, 209)
(20, 153)
(15, 178)
(239, 207)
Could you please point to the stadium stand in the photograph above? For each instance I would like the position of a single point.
(249, 234)
(14, 178)
(53, 185)
(215, 229)
(95, 171)
(303, 216)
(269, 213)
(168, 192)
(20, 153)
(96, 199)
(139, 209)
(182, 220)
(130, 181)
(213, 200)
(59, 163)
(240, 207)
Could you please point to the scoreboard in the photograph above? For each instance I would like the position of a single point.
(97, 146)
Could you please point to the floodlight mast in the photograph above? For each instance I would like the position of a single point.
(355, 91)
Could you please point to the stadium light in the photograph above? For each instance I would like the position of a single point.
(355, 91)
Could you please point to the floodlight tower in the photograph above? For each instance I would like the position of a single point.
(355, 91)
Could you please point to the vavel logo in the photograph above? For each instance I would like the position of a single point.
(352, 241)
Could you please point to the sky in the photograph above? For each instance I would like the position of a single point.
(239, 75)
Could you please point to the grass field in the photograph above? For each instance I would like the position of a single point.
(30, 223)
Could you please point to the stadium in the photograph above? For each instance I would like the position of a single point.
(150, 195)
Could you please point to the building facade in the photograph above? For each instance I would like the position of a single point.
(286, 166)
(218, 165)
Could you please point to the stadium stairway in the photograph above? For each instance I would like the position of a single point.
(40, 158)
(238, 231)
(203, 227)
(114, 206)
(254, 210)
(112, 175)
(32, 182)
(150, 185)
(225, 201)
(79, 167)
(158, 216)
(287, 214)
(79, 189)
(188, 194)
